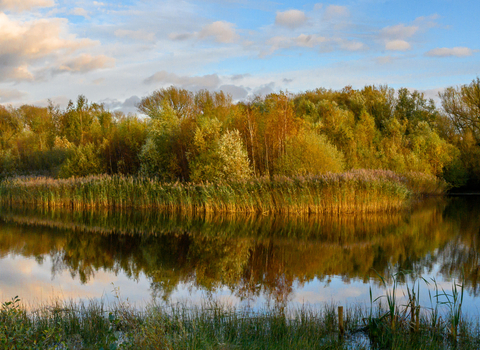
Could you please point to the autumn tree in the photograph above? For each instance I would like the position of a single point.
(462, 108)
(309, 153)
(275, 123)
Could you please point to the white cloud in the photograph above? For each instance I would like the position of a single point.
(220, 31)
(264, 89)
(23, 44)
(277, 43)
(181, 36)
(395, 37)
(78, 11)
(20, 73)
(237, 92)
(86, 63)
(450, 52)
(350, 45)
(427, 21)
(131, 101)
(398, 37)
(397, 45)
(141, 35)
(433, 94)
(239, 76)
(210, 81)
(385, 59)
(60, 101)
(398, 32)
(317, 6)
(291, 19)
(311, 41)
(33, 39)
(7, 96)
(24, 5)
(334, 11)
(98, 81)
(128, 106)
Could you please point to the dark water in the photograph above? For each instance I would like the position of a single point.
(254, 260)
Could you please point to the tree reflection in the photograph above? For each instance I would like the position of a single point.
(250, 255)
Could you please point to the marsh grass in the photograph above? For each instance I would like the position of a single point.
(215, 325)
(359, 191)
(419, 322)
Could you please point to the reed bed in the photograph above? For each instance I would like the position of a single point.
(360, 191)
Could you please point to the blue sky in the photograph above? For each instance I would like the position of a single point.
(116, 52)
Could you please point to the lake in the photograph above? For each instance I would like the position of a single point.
(246, 260)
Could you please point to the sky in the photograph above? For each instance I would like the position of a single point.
(117, 52)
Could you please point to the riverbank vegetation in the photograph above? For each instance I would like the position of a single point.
(213, 325)
(205, 136)
(352, 192)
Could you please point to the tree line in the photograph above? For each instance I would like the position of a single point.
(181, 135)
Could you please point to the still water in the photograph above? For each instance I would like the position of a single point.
(243, 260)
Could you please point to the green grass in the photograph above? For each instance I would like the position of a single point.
(69, 325)
(360, 191)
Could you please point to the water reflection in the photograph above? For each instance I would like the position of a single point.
(251, 256)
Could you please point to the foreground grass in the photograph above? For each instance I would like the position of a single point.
(356, 191)
(214, 326)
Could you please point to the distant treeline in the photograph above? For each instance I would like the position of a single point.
(204, 136)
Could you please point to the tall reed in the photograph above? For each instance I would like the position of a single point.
(358, 191)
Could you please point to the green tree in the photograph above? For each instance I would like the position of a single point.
(462, 105)
(159, 156)
(431, 152)
(84, 160)
(218, 155)
(10, 126)
(339, 126)
(462, 108)
(122, 149)
(170, 133)
(180, 101)
(414, 108)
(309, 153)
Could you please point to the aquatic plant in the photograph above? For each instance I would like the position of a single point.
(357, 191)
(384, 335)
(213, 325)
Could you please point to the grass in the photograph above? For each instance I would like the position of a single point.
(93, 325)
(359, 191)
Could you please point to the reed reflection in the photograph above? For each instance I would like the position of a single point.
(251, 255)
